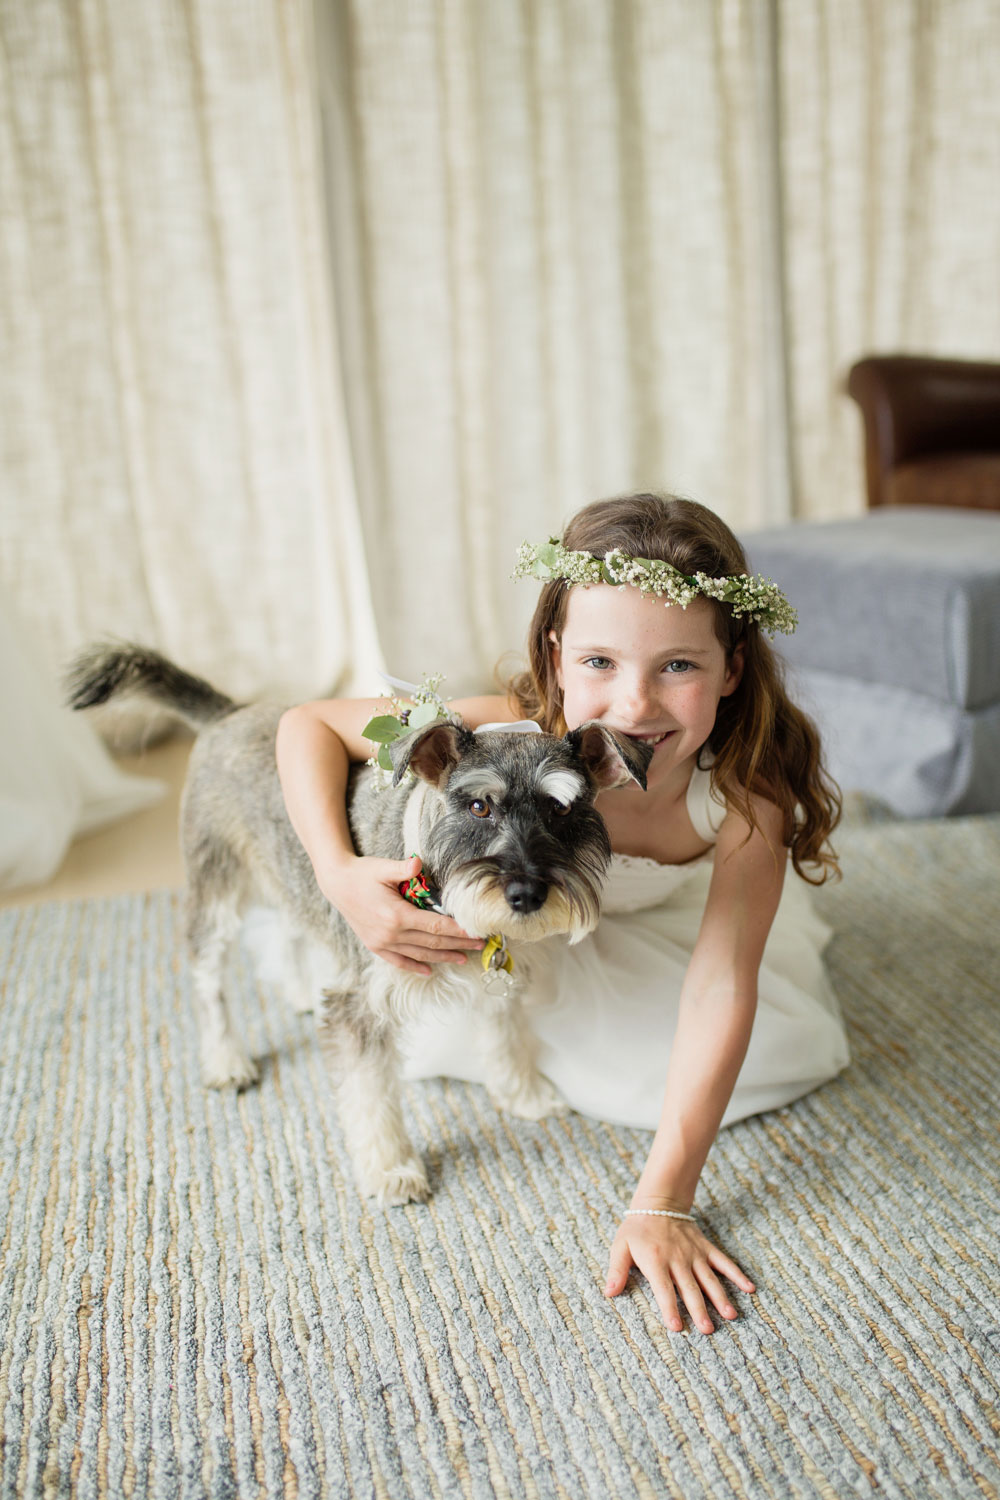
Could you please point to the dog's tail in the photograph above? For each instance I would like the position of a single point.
(122, 670)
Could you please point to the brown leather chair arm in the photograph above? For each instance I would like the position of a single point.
(914, 406)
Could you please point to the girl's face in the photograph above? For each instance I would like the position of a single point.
(654, 671)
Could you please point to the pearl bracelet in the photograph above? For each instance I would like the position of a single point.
(661, 1213)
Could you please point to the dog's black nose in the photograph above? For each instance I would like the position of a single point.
(525, 894)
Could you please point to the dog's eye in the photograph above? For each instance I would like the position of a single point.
(560, 808)
(479, 808)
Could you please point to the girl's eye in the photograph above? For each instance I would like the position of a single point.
(598, 662)
(678, 668)
(479, 808)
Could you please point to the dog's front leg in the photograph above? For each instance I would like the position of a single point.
(513, 1078)
(359, 1049)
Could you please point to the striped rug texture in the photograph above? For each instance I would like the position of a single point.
(194, 1302)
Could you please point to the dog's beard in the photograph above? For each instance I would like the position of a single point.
(474, 896)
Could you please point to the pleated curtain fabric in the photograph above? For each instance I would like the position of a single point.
(889, 159)
(174, 464)
(585, 247)
(312, 312)
(546, 225)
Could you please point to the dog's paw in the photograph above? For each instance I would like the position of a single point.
(226, 1065)
(530, 1099)
(406, 1182)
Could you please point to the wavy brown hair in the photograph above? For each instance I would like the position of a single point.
(761, 744)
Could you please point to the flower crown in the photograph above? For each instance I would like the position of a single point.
(756, 597)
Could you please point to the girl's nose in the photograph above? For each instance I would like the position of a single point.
(639, 699)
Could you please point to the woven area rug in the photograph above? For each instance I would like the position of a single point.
(194, 1302)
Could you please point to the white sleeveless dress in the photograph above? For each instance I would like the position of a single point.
(605, 1031)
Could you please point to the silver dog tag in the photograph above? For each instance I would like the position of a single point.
(497, 977)
(497, 981)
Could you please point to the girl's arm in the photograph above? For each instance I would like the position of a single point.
(717, 1008)
(316, 745)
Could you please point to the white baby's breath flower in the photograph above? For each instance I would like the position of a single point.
(756, 597)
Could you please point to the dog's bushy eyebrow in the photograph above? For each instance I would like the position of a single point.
(478, 781)
(560, 783)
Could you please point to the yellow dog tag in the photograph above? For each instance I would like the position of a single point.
(495, 955)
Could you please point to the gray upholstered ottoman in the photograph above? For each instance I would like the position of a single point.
(897, 654)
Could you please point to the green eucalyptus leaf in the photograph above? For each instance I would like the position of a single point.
(384, 758)
(423, 713)
(383, 729)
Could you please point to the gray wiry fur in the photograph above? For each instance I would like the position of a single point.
(530, 866)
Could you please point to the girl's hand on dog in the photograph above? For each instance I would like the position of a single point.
(680, 1264)
(366, 893)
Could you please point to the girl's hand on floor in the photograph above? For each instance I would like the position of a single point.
(366, 893)
(680, 1264)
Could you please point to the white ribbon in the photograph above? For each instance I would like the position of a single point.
(522, 726)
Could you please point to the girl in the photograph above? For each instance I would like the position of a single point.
(705, 967)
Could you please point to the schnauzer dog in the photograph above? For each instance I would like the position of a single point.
(508, 835)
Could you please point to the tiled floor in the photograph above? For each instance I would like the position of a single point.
(138, 853)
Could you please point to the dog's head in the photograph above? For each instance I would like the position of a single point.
(517, 845)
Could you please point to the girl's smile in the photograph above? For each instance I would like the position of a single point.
(654, 671)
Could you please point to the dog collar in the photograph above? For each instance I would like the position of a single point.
(496, 958)
(417, 890)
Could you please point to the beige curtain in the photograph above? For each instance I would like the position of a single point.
(890, 170)
(547, 234)
(568, 248)
(173, 456)
(583, 247)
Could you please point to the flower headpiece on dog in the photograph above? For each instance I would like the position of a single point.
(757, 597)
(425, 706)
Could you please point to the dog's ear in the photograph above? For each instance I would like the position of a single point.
(609, 758)
(431, 753)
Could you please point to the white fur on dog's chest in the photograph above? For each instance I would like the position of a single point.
(449, 985)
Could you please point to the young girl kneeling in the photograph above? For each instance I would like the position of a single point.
(701, 997)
